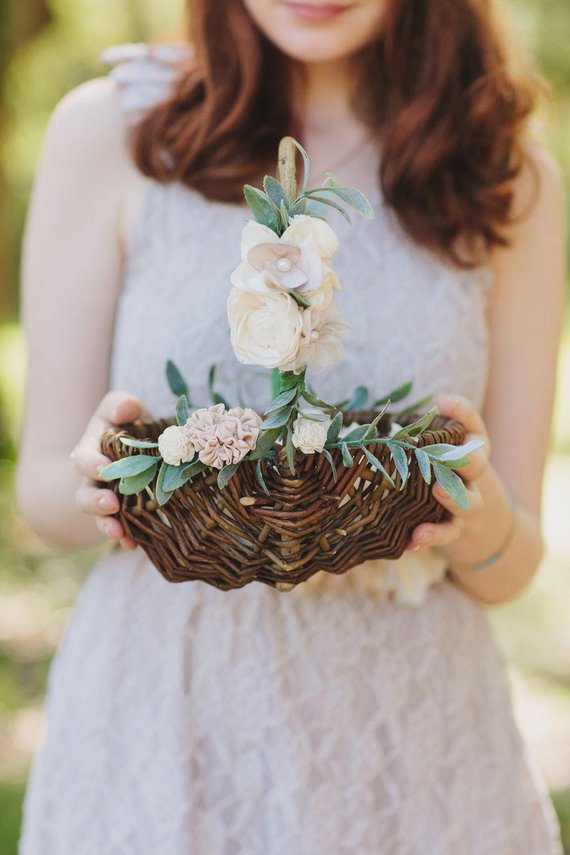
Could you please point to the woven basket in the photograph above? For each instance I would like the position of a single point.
(309, 522)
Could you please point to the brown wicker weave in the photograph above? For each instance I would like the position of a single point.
(307, 523)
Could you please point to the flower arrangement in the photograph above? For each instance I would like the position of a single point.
(283, 315)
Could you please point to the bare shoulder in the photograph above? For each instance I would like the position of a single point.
(539, 183)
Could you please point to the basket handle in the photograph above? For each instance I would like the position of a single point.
(286, 167)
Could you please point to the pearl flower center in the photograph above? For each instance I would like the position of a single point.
(283, 265)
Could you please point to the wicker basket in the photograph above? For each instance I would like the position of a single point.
(309, 522)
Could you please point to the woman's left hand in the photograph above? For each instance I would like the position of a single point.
(461, 409)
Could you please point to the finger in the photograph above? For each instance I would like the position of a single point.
(112, 528)
(473, 495)
(438, 534)
(90, 462)
(459, 407)
(93, 500)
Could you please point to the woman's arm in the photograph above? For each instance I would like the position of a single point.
(526, 315)
(72, 263)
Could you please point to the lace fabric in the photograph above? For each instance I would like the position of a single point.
(363, 713)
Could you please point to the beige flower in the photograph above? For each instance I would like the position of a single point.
(321, 338)
(309, 435)
(175, 445)
(265, 328)
(223, 436)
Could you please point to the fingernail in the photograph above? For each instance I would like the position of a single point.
(106, 504)
(99, 468)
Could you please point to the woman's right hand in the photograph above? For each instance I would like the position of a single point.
(116, 408)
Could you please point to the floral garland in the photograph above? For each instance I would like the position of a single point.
(283, 316)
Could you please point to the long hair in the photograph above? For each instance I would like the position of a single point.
(436, 86)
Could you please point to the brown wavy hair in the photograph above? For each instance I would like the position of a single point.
(436, 85)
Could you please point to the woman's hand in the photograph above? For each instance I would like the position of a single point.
(447, 533)
(116, 408)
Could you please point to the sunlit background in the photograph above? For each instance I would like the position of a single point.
(45, 49)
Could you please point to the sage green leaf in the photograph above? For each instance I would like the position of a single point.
(216, 398)
(137, 483)
(400, 461)
(182, 410)
(262, 208)
(290, 450)
(332, 204)
(265, 443)
(334, 429)
(395, 395)
(298, 207)
(175, 380)
(314, 417)
(260, 478)
(353, 197)
(413, 408)
(291, 380)
(347, 458)
(161, 495)
(173, 477)
(329, 457)
(372, 431)
(127, 466)
(418, 426)
(284, 214)
(316, 402)
(456, 452)
(453, 485)
(375, 462)
(456, 463)
(358, 398)
(305, 157)
(313, 208)
(226, 473)
(275, 191)
(356, 434)
(281, 400)
(331, 180)
(189, 470)
(275, 383)
(424, 464)
(279, 418)
(137, 443)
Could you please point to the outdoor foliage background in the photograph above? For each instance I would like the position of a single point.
(46, 48)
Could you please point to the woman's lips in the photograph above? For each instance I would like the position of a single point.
(316, 11)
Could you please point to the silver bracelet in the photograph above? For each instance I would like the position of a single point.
(507, 542)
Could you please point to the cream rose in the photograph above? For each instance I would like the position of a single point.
(175, 446)
(309, 435)
(304, 230)
(265, 328)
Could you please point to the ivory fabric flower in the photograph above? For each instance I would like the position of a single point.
(265, 328)
(321, 338)
(309, 435)
(175, 445)
(295, 261)
(223, 436)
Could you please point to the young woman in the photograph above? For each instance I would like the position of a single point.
(331, 719)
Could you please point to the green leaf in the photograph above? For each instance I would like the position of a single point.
(175, 380)
(395, 395)
(275, 191)
(424, 464)
(173, 477)
(334, 429)
(331, 204)
(331, 180)
(262, 208)
(226, 473)
(284, 214)
(314, 417)
(453, 485)
(400, 460)
(137, 443)
(353, 197)
(290, 450)
(281, 400)
(126, 467)
(279, 418)
(182, 410)
(316, 402)
(413, 408)
(356, 434)
(313, 208)
(358, 399)
(216, 398)
(265, 443)
(329, 457)
(299, 207)
(305, 157)
(300, 299)
(456, 463)
(260, 478)
(375, 462)
(418, 426)
(189, 470)
(161, 495)
(290, 380)
(456, 452)
(347, 458)
(137, 483)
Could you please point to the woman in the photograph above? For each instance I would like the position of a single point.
(182, 719)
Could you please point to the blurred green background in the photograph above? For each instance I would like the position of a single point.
(45, 49)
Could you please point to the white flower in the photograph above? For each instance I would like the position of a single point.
(321, 345)
(298, 260)
(309, 435)
(175, 445)
(265, 328)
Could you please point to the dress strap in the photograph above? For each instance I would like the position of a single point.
(144, 73)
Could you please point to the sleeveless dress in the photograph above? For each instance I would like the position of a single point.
(365, 713)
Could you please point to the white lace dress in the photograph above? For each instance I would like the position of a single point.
(365, 713)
